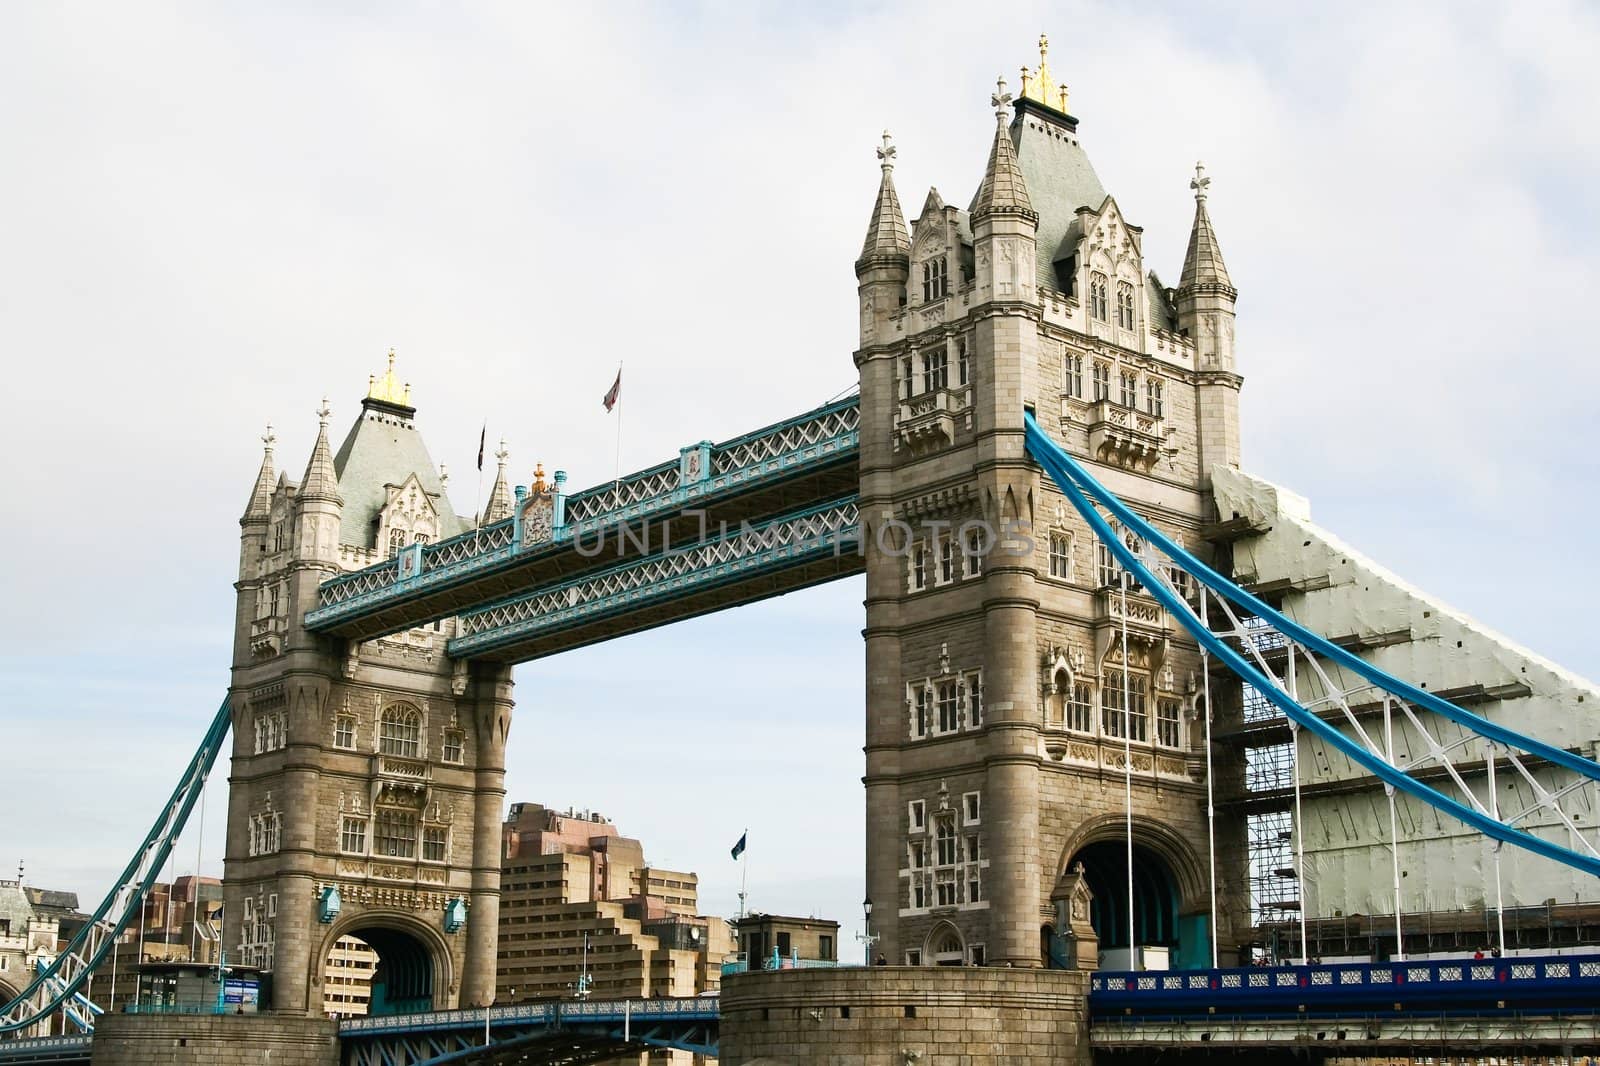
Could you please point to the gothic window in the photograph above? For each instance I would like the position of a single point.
(1061, 556)
(452, 745)
(949, 718)
(963, 365)
(947, 559)
(1111, 706)
(273, 600)
(400, 731)
(1098, 304)
(935, 369)
(435, 843)
(946, 893)
(969, 807)
(270, 731)
(919, 854)
(907, 378)
(974, 552)
(1102, 382)
(278, 536)
(1072, 376)
(1153, 398)
(1109, 568)
(944, 843)
(353, 835)
(395, 836)
(1124, 305)
(397, 540)
(266, 833)
(1181, 583)
(1167, 730)
(919, 900)
(920, 567)
(974, 701)
(917, 814)
(420, 538)
(922, 711)
(1129, 384)
(935, 279)
(1080, 708)
(344, 732)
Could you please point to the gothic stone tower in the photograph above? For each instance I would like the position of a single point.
(994, 650)
(367, 780)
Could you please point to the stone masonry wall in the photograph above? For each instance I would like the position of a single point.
(891, 1015)
(222, 1040)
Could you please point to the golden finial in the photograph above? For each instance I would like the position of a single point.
(387, 388)
(539, 484)
(1040, 86)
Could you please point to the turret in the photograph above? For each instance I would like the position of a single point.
(319, 505)
(882, 267)
(499, 505)
(1205, 300)
(257, 513)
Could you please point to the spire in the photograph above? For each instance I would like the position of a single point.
(500, 496)
(1202, 263)
(321, 482)
(260, 505)
(887, 237)
(1003, 189)
(388, 389)
(1040, 87)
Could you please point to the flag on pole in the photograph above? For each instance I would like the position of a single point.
(614, 393)
(483, 435)
(738, 849)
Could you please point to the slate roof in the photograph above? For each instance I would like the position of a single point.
(384, 448)
(1060, 180)
(1202, 263)
(886, 230)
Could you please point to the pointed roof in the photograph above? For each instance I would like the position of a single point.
(1003, 187)
(887, 237)
(321, 481)
(259, 508)
(1202, 263)
(499, 505)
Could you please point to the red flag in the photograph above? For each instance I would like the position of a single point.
(614, 393)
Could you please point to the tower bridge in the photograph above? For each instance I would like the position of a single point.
(1074, 595)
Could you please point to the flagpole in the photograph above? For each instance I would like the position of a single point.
(617, 479)
(744, 871)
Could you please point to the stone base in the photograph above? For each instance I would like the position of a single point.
(898, 1015)
(214, 1040)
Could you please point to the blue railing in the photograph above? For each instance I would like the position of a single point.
(1438, 985)
(793, 961)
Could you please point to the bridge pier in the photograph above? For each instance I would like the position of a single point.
(892, 1015)
(215, 1040)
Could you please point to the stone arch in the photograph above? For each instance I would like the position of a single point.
(408, 941)
(945, 946)
(1175, 850)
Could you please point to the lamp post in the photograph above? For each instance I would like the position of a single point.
(867, 937)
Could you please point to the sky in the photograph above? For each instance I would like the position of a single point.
(212, 216)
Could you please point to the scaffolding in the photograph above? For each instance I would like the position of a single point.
(1269, 834)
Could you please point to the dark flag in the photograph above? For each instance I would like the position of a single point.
(614, 393)
(483, 435)
(738, 849)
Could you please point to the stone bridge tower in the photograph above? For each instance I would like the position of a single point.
(367, 780)
(995, 658)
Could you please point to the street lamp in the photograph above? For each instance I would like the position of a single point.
(867, 937)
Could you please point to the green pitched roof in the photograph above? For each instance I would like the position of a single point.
(384, 448)
(1059, 177)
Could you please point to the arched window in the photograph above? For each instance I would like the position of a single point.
(944, 836)
(400, 731)
(396, 834)
(397, 540)
(420, 538)
(1099, 303)
(1124, 305)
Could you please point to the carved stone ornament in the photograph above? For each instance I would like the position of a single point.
(538, 518)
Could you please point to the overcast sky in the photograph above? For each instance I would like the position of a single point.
(211, 216)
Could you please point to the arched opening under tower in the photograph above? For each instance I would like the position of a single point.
(377, 970)
(1155, 895)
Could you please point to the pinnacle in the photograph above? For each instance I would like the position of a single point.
(1202, 263)
(887, 235)
(1003, 188)
(321, 480)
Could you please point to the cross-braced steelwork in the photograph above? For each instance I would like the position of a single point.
(1367, 716)
(818, 439)
(59, 986)
(555, 1032)
(819, 532)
